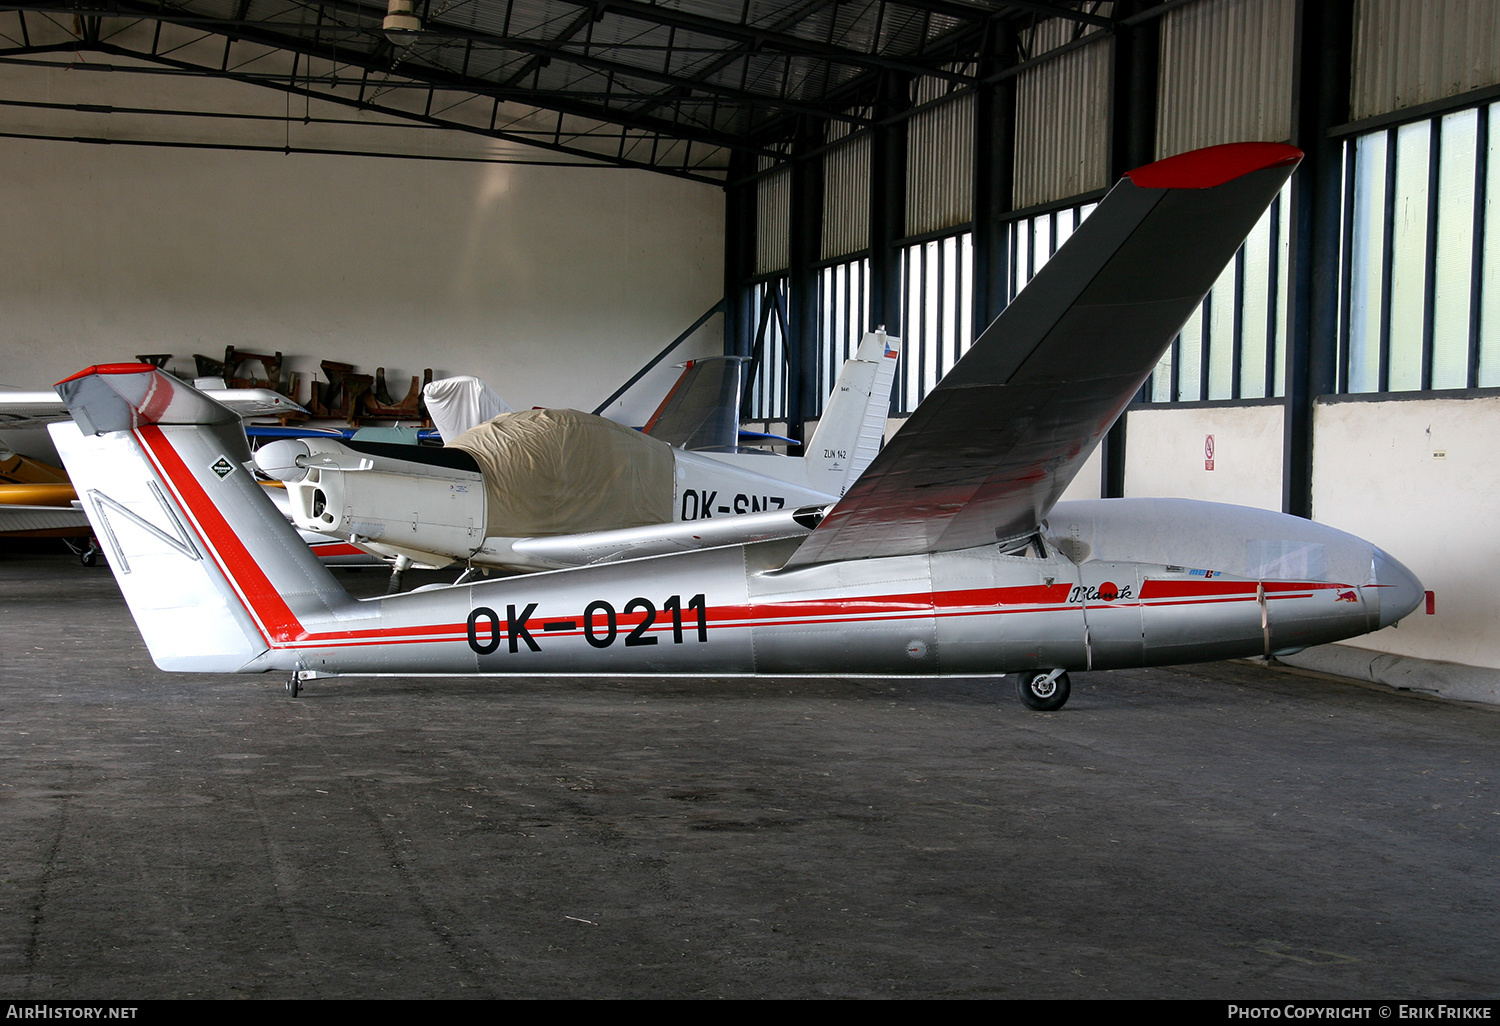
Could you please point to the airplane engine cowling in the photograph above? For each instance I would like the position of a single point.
(278, 459)
(393, 507)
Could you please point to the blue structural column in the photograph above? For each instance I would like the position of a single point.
(994, 175)
(1134, 58)
(805, 250)
(1320, 100)
(739, 255)
(888, 202)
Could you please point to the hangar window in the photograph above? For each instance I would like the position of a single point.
(938, 291)
(1420, 278)
(937, 313)
(843, 318)
(765, 398)
(1033, 240)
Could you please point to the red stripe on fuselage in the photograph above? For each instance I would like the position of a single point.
(321, 549)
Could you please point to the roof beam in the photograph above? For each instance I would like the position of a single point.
(764, 39)
(1054, 11)
(434, 76)
(300, 88)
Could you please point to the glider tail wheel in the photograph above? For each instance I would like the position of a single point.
(1043, 690)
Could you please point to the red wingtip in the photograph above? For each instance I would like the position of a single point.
(1214, 165)
(110, 368)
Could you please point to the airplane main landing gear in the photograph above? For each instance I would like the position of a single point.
(293, 685)
(1043, 690)
(399, 567)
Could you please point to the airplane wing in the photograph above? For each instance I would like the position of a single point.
(986, 455)
(35, 409)
(40, 508)
(43, 520)
(569, 550)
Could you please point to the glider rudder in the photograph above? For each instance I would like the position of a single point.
(212, 572)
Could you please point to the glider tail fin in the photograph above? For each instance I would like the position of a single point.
(214, 576)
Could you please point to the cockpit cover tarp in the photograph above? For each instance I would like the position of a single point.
(457, 404)
(565, 472)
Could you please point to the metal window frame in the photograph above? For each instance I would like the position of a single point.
(1387, 260)
(833, 348)
(1476, 256)
(917, 346)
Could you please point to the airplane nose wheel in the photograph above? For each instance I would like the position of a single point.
(1043, 690)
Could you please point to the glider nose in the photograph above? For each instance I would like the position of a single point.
(1397, 589)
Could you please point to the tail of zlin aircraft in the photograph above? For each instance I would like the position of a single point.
(852, 427)
(201, 554)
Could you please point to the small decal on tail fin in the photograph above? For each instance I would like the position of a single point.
(222, 467)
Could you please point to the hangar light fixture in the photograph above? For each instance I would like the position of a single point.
(400, 23)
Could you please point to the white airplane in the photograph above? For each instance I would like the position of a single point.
(946, 557)
(546, 489)
(51, 510)
(50, 513)
(37, 409)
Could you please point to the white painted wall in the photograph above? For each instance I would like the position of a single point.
(1165, 454)
(1375, 474)
(554, 283)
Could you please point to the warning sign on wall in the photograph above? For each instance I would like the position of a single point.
(1208, 452)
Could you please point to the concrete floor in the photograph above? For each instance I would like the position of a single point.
(1220, 831)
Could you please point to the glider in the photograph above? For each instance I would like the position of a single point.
(948, 556)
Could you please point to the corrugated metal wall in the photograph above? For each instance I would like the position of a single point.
(1226, 74)
(939, 161)
(773, 221)
(1061, 118)
(846, 198)
(1407, 53)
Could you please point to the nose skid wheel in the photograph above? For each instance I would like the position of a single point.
(1043, 690)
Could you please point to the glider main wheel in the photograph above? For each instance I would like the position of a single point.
(1043, 690)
